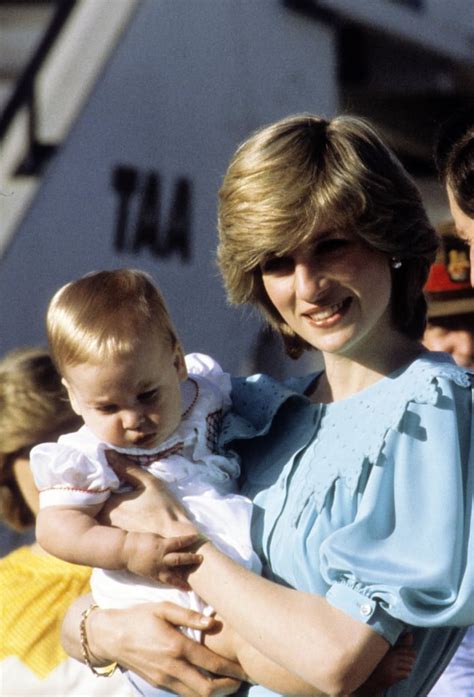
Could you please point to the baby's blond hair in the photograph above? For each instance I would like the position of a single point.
(105, 314)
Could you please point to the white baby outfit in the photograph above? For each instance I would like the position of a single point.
(74, 471)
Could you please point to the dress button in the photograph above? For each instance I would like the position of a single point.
(365, 609)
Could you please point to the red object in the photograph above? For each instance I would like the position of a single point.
(439, 280)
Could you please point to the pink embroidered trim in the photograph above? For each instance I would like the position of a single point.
(76, 488)
(146, 460)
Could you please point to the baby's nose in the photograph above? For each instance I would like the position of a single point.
(132, 419)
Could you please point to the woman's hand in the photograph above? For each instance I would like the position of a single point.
(146, 640)
(149, 643)
(150, 507)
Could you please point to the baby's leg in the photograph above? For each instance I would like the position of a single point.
(396, 665)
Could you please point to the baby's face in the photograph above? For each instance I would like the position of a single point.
(130, 401)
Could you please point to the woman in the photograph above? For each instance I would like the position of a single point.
(35, 588)
(361, 474)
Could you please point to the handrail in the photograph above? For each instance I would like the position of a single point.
(24, 93)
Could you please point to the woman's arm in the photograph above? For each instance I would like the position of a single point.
(300, 632)
(145, 639)
(260, 669)
(166, 658)
(396, 665)
(322, 645)
(73, 534)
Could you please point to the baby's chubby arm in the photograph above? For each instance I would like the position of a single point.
(68, 527)
(73, 534)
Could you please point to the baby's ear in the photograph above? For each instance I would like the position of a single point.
(71, 396)
(179, 363)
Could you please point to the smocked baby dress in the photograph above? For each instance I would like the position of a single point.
(74, 471)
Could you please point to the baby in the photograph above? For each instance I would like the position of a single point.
(113, 341)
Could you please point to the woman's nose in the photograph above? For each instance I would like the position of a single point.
(309, 281)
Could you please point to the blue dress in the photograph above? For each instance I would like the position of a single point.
(367, 501)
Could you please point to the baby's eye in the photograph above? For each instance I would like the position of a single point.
(276, 265)
(148, 396)
(107, 408)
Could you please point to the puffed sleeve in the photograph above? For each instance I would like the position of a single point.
(65, 476)
(408, 557)
(206, 367)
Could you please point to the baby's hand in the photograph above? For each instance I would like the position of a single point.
(160, 558)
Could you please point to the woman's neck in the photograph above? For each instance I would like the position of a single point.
(345, 376)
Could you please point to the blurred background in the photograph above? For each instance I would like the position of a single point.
(118, 119)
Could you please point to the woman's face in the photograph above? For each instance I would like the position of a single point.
(335, 293)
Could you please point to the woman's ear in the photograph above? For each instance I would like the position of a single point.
(179, 363)
(71, 396)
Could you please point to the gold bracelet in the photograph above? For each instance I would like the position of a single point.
(104, 671)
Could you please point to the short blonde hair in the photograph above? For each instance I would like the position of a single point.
(104, 314)
(33, 408)
(304, 173)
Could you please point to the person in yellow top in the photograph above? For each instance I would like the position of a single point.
(35, 588)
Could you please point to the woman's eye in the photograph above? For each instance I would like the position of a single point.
(148, 396)
(332, 245)
(276, 265)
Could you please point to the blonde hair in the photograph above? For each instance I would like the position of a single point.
(304, 173)
(33, 408)
(104, 314)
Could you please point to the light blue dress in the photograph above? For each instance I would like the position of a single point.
(368, 501)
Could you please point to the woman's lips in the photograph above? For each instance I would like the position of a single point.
(330, 314)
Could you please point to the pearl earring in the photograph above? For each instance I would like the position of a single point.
(395, 262)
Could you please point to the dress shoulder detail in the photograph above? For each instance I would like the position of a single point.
(255, 401)
(367, 419)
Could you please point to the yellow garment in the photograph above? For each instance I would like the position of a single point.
(36, 592)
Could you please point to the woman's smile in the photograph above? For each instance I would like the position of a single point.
(329, 316)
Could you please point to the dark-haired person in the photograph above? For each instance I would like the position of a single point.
(450, 298)
(450, 328)
(454, 157)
